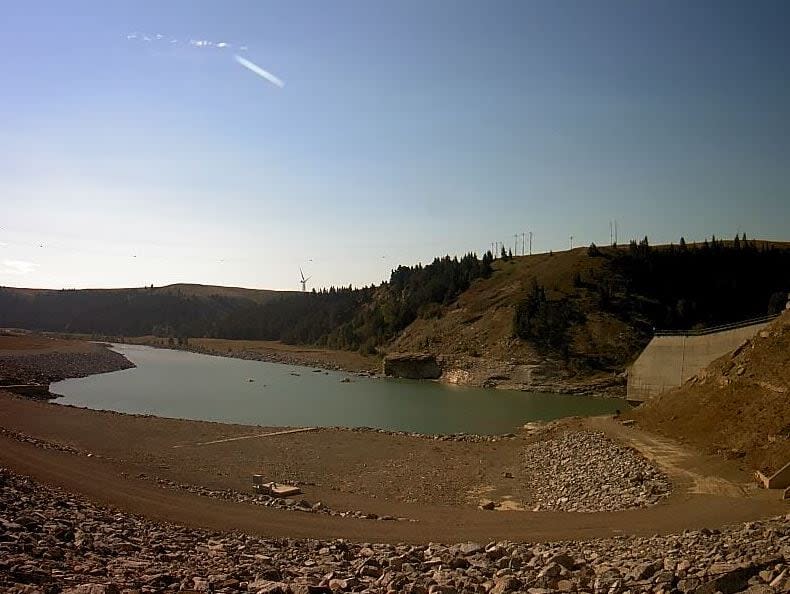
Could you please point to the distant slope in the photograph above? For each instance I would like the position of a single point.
(570, 321)
(196, 290)
(474, 335)
(739, 405)
(174, 310)
(585, 314)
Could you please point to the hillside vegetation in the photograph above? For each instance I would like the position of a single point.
(739, 405)
(548, 320)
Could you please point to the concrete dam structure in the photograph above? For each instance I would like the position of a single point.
(671, 358)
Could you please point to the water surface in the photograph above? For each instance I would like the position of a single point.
(187, 385)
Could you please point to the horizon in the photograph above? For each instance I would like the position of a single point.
(249, 140)
(758, 241)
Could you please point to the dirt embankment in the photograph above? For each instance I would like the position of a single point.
(32, 358)
(738, 406)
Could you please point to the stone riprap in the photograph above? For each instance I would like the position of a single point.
(587, 472)
(54, 542)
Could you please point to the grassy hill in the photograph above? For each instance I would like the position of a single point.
(475, 335)
(196, 290)
(177, 310)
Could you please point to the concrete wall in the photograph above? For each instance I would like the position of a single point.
(668, 361)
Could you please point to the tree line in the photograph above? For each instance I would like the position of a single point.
(344, 317)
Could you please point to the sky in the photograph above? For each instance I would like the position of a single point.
(135, 149)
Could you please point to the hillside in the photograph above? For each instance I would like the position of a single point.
(739, 405)
(172, 310)
(570, 321)
(195, 290)
(474, 335)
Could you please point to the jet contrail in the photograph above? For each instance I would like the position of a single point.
(259, 71)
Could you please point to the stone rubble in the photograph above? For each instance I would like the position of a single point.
(55, 543)
(287, 503)
(460, 437)
(587, 472)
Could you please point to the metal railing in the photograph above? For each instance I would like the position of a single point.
(720, 328)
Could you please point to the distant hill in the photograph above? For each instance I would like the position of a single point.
(173, 310)
(556, 321)
(196, 290)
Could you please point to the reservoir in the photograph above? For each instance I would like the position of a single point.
(186, 385)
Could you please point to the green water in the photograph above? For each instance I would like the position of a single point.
(191, 386)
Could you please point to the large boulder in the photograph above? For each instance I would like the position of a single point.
(412, 366)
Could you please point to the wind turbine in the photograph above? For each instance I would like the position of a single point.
(304, 280)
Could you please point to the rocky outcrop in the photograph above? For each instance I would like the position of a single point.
(412, 366)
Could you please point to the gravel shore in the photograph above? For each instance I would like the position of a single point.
(56, 366)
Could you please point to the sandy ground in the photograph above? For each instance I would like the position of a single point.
(435, 483)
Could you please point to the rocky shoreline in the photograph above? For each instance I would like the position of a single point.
(53, 542)
(44, 368)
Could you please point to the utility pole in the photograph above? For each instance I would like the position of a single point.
(515, 245)
(615, 231)
(523, 245)
(571, 241)
(611, 233)
(530, 243)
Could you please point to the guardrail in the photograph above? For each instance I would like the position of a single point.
(713, 329)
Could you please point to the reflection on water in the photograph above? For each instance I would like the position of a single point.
(187, 385)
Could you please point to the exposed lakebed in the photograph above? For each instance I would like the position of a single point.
(186, 385)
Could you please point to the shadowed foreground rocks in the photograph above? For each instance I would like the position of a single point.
(52, 542)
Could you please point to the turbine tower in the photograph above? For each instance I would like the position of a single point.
(304, 280)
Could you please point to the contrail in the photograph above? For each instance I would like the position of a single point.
(259, 71)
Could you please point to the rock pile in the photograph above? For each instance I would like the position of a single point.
(587, 472)
(52, 542)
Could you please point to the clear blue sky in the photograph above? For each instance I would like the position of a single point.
(405, 130)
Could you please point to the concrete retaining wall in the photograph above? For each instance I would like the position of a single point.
(668, 361)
